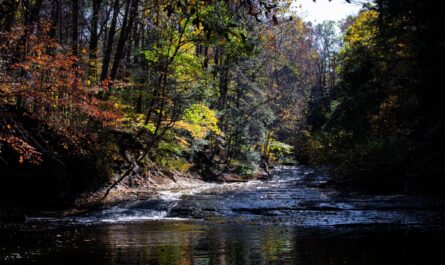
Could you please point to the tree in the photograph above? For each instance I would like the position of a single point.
(110, 40)
(384, 112)
(94, 38)
(75, 26)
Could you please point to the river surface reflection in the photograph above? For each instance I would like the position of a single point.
(173, 242)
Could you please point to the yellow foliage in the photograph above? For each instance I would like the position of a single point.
(183, 143)
(180, 165)
(363, 29)
(199, 121)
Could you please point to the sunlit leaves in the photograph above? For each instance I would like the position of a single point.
(363, 30)
(199, 121)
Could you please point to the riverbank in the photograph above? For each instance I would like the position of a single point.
(133, 188)
(293, 196)
(142, 187)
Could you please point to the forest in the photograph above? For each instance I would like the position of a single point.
(222, 132)
(94, 94)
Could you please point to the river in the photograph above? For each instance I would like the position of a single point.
(291, 219)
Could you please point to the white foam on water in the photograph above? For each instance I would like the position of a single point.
(121, 217)
(168, 195)
(175, 195)
(154, 215)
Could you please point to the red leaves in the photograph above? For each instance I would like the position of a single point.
(52, 87)
(104, 84)
(55, 80)
(26, 152)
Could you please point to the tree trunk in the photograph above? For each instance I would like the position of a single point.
(127, 25)
(109, 46)
(223, 86)
(93, 40)
(30, 19)
(75, 26)
(55, 15)
(206, 57)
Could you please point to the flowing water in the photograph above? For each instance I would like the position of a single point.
(290, 219)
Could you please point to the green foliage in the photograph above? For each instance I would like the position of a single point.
(246, 161)
(280, 150)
